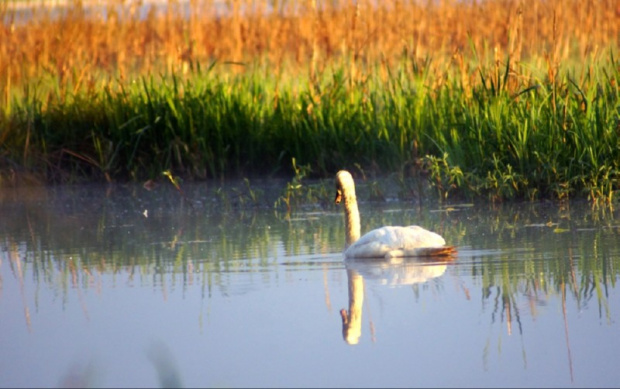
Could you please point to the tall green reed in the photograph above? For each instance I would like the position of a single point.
(501, 138)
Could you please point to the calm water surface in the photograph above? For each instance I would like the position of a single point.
(128, 287)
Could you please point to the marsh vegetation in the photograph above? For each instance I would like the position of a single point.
(503, 99)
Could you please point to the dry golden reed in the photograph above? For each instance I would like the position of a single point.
(119, 38)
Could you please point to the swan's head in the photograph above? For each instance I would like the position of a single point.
(344, 185)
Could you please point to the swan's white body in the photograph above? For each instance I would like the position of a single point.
(394, 241)
(384, 242)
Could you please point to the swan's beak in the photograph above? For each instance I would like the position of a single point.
(344, 316)
(338, 196)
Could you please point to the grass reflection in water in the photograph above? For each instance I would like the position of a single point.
(518, 258)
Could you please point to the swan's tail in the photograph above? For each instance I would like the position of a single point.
(442, 251)
(438, 251)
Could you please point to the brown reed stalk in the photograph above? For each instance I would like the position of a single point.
(80, 46)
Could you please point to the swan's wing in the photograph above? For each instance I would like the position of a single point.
(371, 245)
(413, 237)
(381, 241)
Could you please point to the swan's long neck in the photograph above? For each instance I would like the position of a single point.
(351, 216)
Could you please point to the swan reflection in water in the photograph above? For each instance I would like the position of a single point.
(389, 272)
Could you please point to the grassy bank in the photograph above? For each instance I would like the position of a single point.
(496, 100)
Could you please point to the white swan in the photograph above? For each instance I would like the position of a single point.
(384, 242)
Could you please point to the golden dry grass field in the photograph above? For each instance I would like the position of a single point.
(299, 36)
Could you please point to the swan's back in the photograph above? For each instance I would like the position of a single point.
(396, 241)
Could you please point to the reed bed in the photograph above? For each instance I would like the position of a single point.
(500, 99)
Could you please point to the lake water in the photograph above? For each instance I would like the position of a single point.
(122, 286)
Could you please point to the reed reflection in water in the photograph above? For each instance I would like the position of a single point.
(242, 296)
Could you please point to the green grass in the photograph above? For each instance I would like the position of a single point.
(545, 139)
